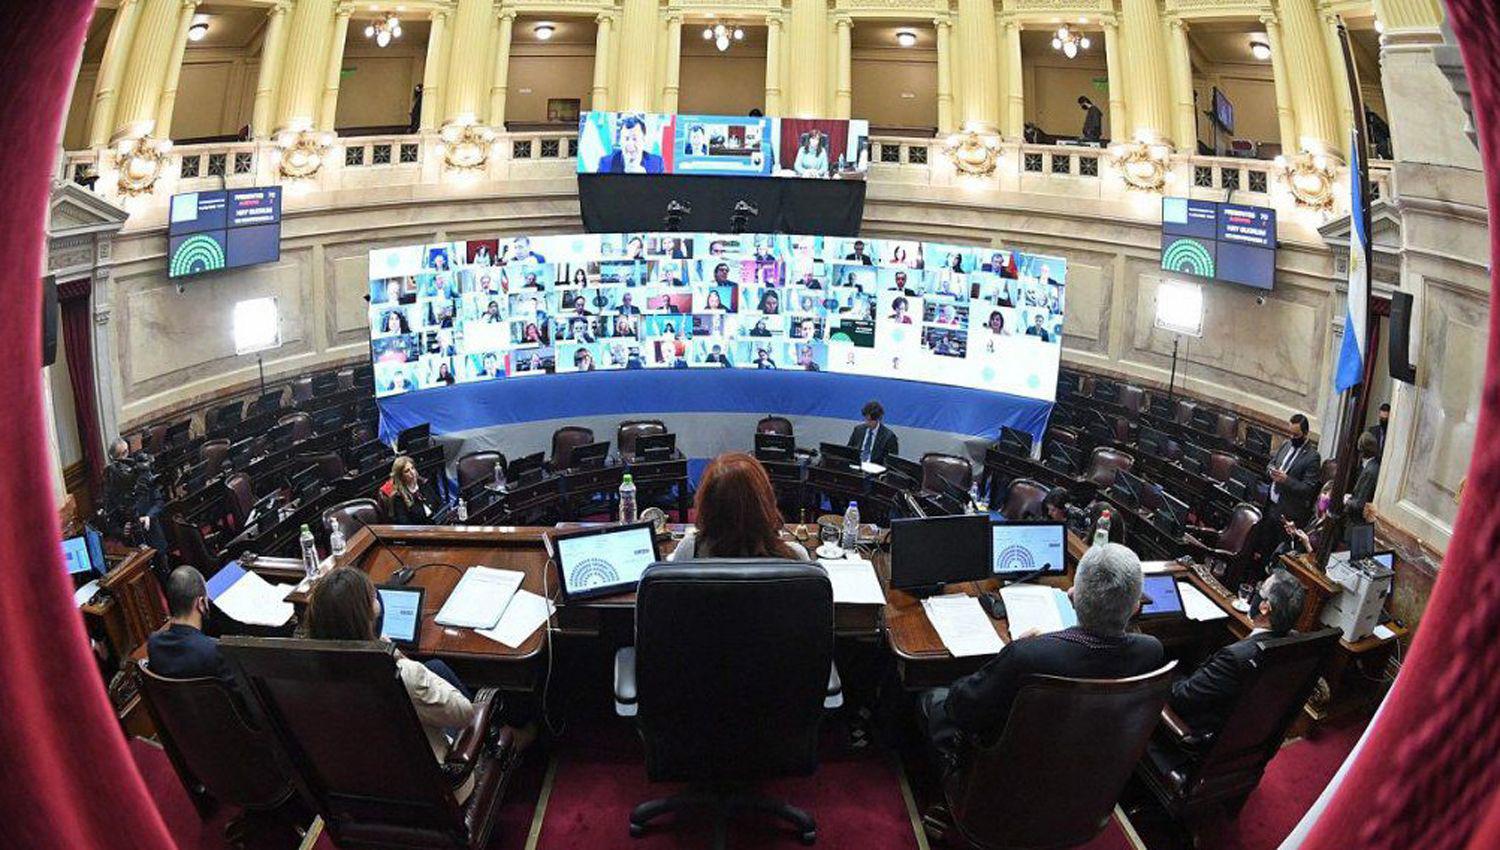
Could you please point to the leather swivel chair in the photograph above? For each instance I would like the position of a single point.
(1195, 776)
(1104, 463)
(213, 453)
(1227, 428)
(325, 383)
(1183, 415)
(1230, 545)
(370, 773)
(330, 465)
(218, 752)
(154, 438)
(1123, 433)
(478, 466)
(630, 429)
(302, 390)
(239, 497)
(1055, 774)
(728, 680)
(353, 515)
(302, 425)
(1220, 465)
(564, 441)
(193, 547)
(774, 425)
(1133, 399)
(951, 468)
(1023, 500)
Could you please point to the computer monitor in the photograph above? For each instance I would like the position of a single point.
(838, 455)
(1205, 420)
(96, 549)
(1386, 559)
(1106, 390)
(1160, 597)
(908, 469)
(401, 614)
(1130, 485)
(656, 446)
(928, 552)
(1068, 383)
(603, 560)
(527, 468)
(1015, 442)
(1063, 458)
(1022, 548)
(76, 556)
(775, 446)
(1152, 441)
(1160, 407)
(1361, 538)
(589, 455)
(413, 438)
(1258, 440)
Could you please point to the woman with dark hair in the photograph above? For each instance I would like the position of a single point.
(736, 514)
(343, 606)
(770, 303)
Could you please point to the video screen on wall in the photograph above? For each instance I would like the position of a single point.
(1235, 243)
(491, 309)
(723, 146)
(224, 229)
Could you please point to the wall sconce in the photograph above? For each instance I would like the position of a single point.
(1143, 165)
(972, 153)
(906, 38)
(1260, 50)
(1310, 178)
(140, 162)
(303, 151)
(466, 144)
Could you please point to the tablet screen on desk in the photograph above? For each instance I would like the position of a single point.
(76, 555)
(1161, 596)
(401, 614)
(1023, 548)
(604, 560)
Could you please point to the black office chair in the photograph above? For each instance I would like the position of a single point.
(728, 681)
(631, 429)
(774, 425)
(479, 466)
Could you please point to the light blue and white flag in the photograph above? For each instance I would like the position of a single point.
(1351, 365)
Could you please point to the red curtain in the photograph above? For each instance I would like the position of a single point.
(70, 780)
(835, 134)
(78, 343)
(1429, 774)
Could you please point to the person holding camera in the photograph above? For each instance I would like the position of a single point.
(133, 501)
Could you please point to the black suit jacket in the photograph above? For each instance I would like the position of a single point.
(1364, 488)
(885, 442)
(1205, 698)
(980, 702)
(1299, 491)
(183, 652)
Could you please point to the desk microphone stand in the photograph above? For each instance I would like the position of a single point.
(260, 366)
(1172, 379)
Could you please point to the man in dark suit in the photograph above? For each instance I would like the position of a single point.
(1294, 475)
(1380, 427)
(1093, 120)
(1205, 698)
(1106, 594)
(858, 255)
(181, 650)
(630, 155)
(874, 441)
(1363, 491)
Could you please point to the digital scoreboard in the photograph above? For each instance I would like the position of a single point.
(1235, 243)
(224, 229)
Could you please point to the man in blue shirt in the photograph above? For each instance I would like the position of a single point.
(181, 650)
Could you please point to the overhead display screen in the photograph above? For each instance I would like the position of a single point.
(724, 146)
(210, 231)
(490, 309)
(1235, 243)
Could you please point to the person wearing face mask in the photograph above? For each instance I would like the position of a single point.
(1378, 430)
(181, 650)
(1294, 472)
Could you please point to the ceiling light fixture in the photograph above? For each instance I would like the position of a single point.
(723, 36)
(543, 31)
(197, 31)
(383, 30)
(1069, 42)
(1260, 50)
(906, 38)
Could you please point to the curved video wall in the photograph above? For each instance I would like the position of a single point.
(491, 309)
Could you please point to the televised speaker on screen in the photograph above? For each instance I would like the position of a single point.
(630, 155)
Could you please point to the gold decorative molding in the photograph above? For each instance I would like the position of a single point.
(972, 153)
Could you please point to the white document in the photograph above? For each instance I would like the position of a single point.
(962, 625)
(285, 590)
(1156, 567)
(526, 613)
(1384, 633)
(854, 581)
(1197, 606)
(1036, 607)
(479, 598)
(82, 595)
(255, 602)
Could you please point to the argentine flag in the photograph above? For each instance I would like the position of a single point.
(1351, 365)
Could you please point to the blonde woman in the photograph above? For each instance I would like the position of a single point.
(408, 505)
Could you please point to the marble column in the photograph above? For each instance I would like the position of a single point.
(1185, 118)
(979, 84)
(807, 34)
(600, 96)
(1015, 110)
(464, 92)
(167, 104)
(500, 78)
(145, 71)
(1146, 85)
(302, 66)
(1286, 121)
(843, 90)
(111, 69)
(272, 49)
(1118, 123)
(1313, 100)
(1403, 15)
(636, 67)
(433, 70)
(1338, 73)
(671, 82)
(335, 67)
(773, 65)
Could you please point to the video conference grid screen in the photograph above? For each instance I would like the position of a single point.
(226, 229)
(1229, 242)
(484, 309)
(720, 145)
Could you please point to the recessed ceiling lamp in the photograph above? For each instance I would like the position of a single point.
(197, 31)
(1260, 50)
(383, 30)
(1069, 42)
(722, 36)
(543, 31)
(906, 38)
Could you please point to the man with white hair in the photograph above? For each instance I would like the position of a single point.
(1106, 594)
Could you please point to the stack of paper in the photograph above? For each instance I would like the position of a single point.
(526, 612)
(854, 581)
(1037, 608)
(1156, 567)
(1197, 606)
(479, 598)
(248, 598)
(962, 625)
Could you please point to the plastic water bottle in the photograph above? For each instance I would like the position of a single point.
(461, 510)
(309, 552)
(336, 540)
(627, 500)
(850, 536)
(1101, 531)
(499, 482)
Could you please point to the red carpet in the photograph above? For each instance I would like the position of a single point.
(1293, 780)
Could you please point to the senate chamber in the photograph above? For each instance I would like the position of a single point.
(859, 424)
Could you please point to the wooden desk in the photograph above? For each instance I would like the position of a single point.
(127, 609)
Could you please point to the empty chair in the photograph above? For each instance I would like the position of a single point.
(1230, 545)
(212, 454)
(1184, 412)
(774, 425)
(330, 465)
(192, 546)
(325, 383)
(1055, 774)
(630, 429)
(1023, 500)
(154, 438)
(479, 466)
(951, 468)
(345, 379)
(302, 390)
(1227, 427)
(239, 497)
(1103, 464)
(1221, 465)
(302, 425)
(564, 441)
(1133, 399)
(226, 416)
(352, 515)
(1122, 430)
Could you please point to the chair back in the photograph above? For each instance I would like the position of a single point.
(1120, 425)
(1024, 499)
(1055, 774)
(330, 465)
(358, 753)
(951, 468)
(353, 515)
(1133, 399)
(239, 497)
(630, 429)
(192, 548)
(1220, 465)
(211, 740)
(732, 661)
(1235, 538)
(565, 440)
(1105, 462)
(345, 379)
(154, 438)
(302, 425)
(478, 466)
(774, 425)
(1227, 427)
(213, 453)
(1184, 412)
(302, 390)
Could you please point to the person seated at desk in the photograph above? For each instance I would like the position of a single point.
(343, 605)
(1057, 507)
(181, 650)
(1106, 593)
(1204, 698)
(406, 504)
(736, 515)
(874, 441)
